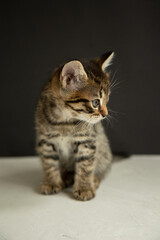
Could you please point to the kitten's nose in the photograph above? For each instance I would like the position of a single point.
(104, 111)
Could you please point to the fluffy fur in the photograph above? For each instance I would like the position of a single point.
(70, 138)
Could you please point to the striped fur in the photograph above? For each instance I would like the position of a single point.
(70, 139)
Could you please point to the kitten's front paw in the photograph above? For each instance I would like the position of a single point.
(84, 194)
(47, 188)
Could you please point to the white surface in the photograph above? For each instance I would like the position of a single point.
(127, 205)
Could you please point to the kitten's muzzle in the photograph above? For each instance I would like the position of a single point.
(103, 111)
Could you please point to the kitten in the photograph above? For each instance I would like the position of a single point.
(70, 138)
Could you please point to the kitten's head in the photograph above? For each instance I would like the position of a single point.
(84, 87)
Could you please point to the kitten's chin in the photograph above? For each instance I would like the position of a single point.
(92, 120)
(95, 120)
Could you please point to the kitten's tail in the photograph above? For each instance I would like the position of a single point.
(119, 156)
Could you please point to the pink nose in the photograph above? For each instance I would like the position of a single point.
(104, 111)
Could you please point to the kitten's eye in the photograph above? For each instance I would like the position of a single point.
(95, 103)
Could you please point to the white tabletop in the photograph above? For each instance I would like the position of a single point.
(126, 207)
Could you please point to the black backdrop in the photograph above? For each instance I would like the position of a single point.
(35, 37)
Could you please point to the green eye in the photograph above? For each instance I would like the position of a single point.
(95, 103)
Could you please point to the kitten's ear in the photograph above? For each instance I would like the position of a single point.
(73, 76)
(105, 60)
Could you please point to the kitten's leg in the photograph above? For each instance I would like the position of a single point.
(84, 186)
(52, 182)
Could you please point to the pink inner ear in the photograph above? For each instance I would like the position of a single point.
(73, 75)
(68, 80)
(72, 69)
(69, 71)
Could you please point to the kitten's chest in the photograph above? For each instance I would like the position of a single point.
(64, 147)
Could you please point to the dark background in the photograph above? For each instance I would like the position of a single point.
(35, 37)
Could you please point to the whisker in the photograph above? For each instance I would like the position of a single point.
(114, 76)
(89, 124)
(77, 125)
(111, 117)
(115, 84)
(107, 120)
(112, 83)
(84, 125)
(115, 112)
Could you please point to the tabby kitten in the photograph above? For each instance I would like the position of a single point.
(70, 138)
